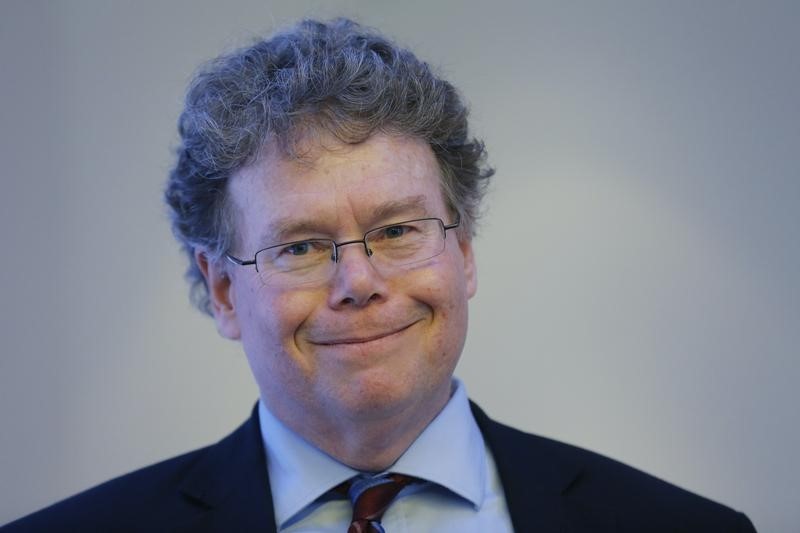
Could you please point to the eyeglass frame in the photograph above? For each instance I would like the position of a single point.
(336, 245)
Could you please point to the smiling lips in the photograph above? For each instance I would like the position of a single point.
(362, 340)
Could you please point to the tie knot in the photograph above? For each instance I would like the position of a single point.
(371, 496)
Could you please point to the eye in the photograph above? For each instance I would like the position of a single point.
(395, 232)
(298, 248)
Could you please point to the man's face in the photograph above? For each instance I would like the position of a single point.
(364, 344)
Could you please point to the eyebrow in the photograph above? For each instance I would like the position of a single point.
(410, 205)
(287, 228)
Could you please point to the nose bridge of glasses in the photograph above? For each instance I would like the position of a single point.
(337, 245)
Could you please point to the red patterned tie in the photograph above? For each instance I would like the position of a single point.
(371, 496)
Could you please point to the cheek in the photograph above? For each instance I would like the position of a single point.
(444, 293)
(270, 330)
(271, 318)
(454, 330)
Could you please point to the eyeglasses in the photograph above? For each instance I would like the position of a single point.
(401, 244)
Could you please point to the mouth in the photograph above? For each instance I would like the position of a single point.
(360, 339)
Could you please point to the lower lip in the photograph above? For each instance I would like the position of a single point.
(368, 344)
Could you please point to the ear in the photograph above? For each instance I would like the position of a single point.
(470, 269)
(221, 295)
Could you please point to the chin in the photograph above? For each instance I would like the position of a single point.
(375, 399)
(370, 399)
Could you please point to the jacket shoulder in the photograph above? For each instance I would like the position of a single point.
(591, 483)
(120, 504)
(222, 487)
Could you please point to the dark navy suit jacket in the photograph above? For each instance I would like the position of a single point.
(549, 487)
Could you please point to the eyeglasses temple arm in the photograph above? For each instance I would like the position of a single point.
(237, 261)
(453, 225)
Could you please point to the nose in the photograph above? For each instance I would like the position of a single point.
(355, 282)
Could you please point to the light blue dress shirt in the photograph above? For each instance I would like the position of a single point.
(462, 494)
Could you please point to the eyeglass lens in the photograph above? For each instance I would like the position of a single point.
(396, 245)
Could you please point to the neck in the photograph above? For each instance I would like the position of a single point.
(369, 442)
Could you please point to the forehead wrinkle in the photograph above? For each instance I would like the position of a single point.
(289, 227)
(261, 176)
(364, 213)
(410, 205)
(285, 228)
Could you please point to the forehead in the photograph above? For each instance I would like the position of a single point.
(336, 187)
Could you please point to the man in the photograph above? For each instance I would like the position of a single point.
(326, 192)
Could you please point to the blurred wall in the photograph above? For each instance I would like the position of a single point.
(638, 261)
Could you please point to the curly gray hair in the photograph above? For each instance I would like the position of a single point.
(337, 77)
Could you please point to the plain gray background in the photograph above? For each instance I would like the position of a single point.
(638, 263)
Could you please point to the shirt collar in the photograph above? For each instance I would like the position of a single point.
(299, 473)
(462, 468)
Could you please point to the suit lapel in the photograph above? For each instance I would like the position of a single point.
(230, 485)
(536, 482)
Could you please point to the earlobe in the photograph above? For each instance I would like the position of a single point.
(221, 295)
(470, 269)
